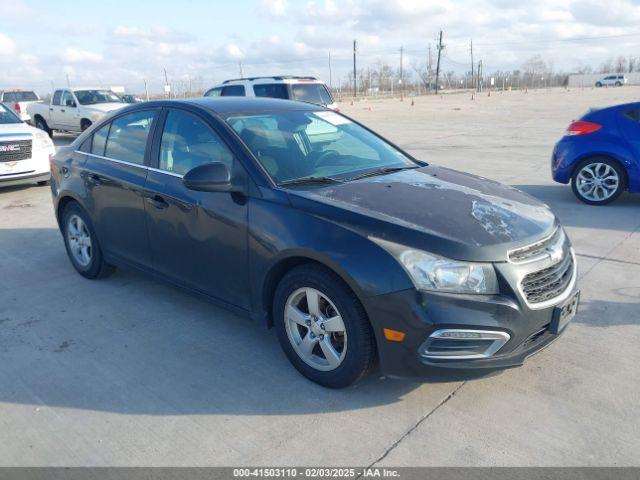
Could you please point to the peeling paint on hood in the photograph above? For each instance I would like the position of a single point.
(452, 210)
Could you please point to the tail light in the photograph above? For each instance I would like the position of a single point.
(17, 107)
(582, 127)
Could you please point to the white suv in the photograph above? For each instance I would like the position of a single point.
(612, 81)
(302, 89)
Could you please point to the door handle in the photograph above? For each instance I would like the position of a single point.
(94, 179)
(158, 202)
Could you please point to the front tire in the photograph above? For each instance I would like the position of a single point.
(322, 327)
(598, 84)
(82, 243)
(42, 125)
(598, 181)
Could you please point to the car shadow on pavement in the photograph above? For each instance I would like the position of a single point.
(129, 344)
(622, 214)
(602, 313)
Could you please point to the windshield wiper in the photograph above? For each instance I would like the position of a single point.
(310, 180)
(380, 171)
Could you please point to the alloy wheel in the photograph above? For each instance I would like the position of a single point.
(315, 329)
(597, 182)
(79, 240)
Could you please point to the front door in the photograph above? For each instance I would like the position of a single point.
(196, 238)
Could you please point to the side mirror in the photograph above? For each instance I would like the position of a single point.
(70, 103)
(210, 177)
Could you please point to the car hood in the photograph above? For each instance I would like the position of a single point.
(437, 209)
(105, 107)
(15, 129)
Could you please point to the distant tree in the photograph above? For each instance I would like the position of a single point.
(621, 64)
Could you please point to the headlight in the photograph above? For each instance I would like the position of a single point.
(42, 140)
(431, 272)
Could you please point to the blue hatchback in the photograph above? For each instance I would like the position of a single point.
(600, 154)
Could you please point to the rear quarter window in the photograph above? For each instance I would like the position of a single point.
(271, 90)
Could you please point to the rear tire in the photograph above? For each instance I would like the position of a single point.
(43, 183)
(41, 124)
(84, 124)
(618, 84)
(598, 181)
(339, 348)
(82, 244)
(598, 84)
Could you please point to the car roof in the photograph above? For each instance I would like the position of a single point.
(226, 105)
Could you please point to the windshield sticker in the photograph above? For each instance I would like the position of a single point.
(333, 118)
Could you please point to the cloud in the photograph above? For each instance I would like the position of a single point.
(275, 8)
(77, 55)
(7, 45)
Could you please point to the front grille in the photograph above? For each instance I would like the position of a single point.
(15, 150)
(550, 282)
(537, 250)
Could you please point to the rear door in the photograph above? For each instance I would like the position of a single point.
(196, 238)
(116, 170)
(63, 113)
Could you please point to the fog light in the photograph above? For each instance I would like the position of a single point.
(459, 344)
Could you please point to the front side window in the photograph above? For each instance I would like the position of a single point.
(127, 140)
(188, 142)
(214, 92)
(233, 91)
(311, 93)
(67, 99)
(271, 90)
(298, 144)
(92, 97)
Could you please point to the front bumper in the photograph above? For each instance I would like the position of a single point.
(419, 314)
(32, 170)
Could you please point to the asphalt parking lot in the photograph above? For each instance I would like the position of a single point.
(127, 371)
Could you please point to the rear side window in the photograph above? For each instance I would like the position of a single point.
(271, 90)
(127, 140)
(188, 142)
(233, 91)
(56, 97)
(100, 140)
(311, 93)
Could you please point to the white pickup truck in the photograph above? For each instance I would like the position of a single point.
(18, 101)
(73, 110)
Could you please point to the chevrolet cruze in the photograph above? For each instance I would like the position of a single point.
(302, 219)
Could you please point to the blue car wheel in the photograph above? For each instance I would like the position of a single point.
(598, 181)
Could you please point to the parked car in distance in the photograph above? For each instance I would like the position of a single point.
(612, 81)
(18, 101)
(24, 151)
(600, 154)
(302, 89)
(304, 219)
(128, 98)
(73, 110)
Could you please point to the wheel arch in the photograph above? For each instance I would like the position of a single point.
(606, 155)
(282, 266)
(63, 201)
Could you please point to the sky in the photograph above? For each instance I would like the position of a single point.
(126, 43)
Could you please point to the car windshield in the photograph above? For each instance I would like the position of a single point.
(7, 116)
(311, 93)
(294, 145)
(90, 97)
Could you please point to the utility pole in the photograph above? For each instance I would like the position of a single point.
(330, 80)
(146, 90)
(240, 67)
(429, 70)
(479, 76)
(471, 63)
(440, 47)
(166, 82)
(355, 84)
(68, 82)
(401, 76)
